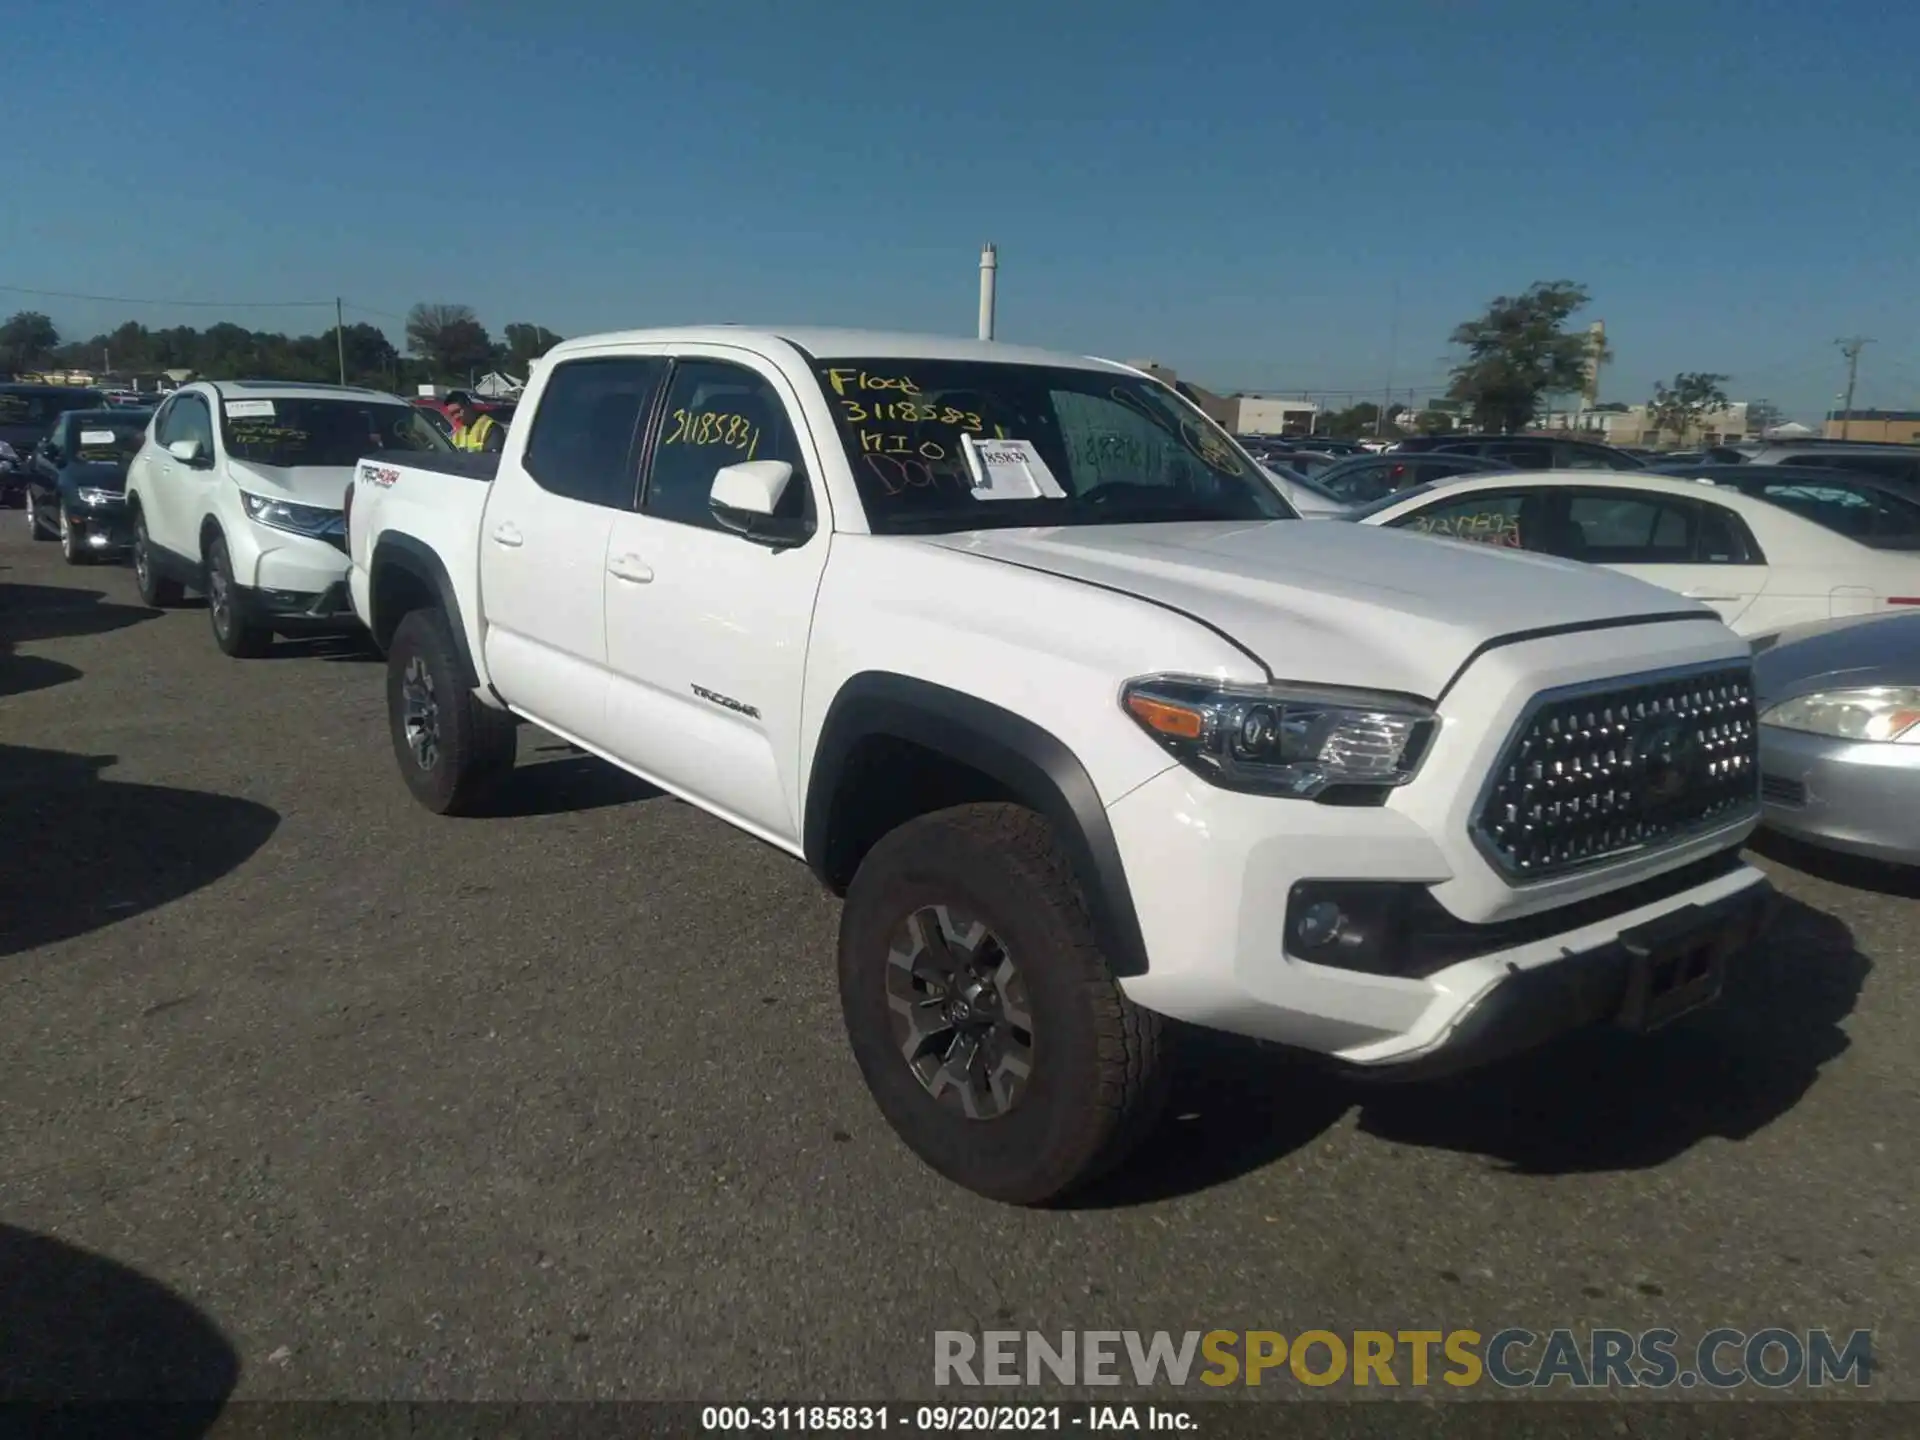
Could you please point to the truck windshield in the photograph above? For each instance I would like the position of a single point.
(944, 445)
(285, 432)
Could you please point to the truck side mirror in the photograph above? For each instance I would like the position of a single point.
(185, 450)
(744, 498)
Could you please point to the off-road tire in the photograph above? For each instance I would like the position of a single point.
(474, 743)
(155, 589)
(1098, 1080)
(233, 632)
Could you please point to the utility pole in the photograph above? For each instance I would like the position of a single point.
(339, 339)
(1851, 348)
(1393, 347)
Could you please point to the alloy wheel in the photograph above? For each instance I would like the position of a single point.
(142, 566)
(219, 594)
(420, 713)
(960, 1011)
(68, 550)
(33, 516)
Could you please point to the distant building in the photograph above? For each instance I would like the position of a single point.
(1902, 427)
(1272, 415)
(1635, 426)
(1218, 408)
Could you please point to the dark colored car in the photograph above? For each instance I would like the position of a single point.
(77, 482)
(1365, 478)
(1524, 452)
(27, 414)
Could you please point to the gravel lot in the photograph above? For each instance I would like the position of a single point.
(556, 1103)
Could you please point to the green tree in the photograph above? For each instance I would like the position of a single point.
(1520, 351)
(27, 341)
(1678, 408)
(1433, 422)
(1353, 422)
(524, 344)
(449, 339)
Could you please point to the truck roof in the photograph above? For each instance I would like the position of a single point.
(827, 343)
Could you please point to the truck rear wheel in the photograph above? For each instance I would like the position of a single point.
(987, 1022)
(451, 748)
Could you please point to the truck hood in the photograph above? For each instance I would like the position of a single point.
(1335, 604)
(321, 485)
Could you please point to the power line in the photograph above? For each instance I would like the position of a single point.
(184, 304)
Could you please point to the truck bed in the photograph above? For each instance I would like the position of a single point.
(463, 464)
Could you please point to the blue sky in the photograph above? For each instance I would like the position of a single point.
(1238, 190)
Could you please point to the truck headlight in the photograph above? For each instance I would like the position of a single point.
(315, 520)
(89, 495)
(1291, 740)
(1877, 712)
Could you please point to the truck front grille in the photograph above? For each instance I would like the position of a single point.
(1597, 773)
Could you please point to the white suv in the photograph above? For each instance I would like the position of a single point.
(237, 492)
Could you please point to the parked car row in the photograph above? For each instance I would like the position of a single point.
(1030, 662)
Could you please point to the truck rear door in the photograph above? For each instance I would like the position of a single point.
(569, 467)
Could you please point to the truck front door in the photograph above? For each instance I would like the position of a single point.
(543, 539)
(706, 630)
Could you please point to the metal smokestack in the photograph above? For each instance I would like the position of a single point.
(989, 268)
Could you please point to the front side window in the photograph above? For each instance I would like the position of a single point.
(1363, 483)
(718, 415)
(284, 432)
(189, 419)
(1491, 517)
(587, 426)
(1099, 448)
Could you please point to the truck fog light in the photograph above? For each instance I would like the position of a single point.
(1320, 923)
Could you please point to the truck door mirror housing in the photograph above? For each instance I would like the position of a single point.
(753, 486)
(745, 496)
(185, 450)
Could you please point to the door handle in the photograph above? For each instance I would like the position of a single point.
(508, 534)
(1707, 595)
(630, 568)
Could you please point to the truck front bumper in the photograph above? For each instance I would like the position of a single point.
(1217, 879)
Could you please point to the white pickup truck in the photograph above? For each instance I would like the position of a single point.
(1021, 654)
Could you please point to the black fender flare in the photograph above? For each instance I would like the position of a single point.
(1032, 763)
(417, 558)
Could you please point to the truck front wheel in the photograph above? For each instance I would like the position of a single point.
(451, 748)
(986, 1020)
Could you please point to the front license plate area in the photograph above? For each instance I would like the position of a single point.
(1676, 964)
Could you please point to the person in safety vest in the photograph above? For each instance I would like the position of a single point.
(473, 428)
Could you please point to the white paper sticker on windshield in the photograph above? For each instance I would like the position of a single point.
(1009, 470)
(97, 437)
(249, 409)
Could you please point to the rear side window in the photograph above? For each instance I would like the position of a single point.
(1627, 529)
(587, 427)
(1859, 513)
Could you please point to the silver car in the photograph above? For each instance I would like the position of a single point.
(1840, 735)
